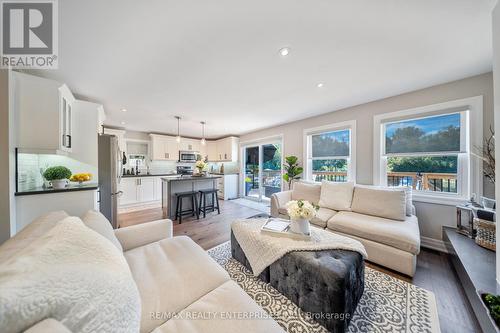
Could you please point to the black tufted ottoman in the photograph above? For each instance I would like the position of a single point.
(325, 284)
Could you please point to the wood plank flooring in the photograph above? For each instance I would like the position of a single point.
(434, 271)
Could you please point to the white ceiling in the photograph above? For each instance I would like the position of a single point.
(218, 60)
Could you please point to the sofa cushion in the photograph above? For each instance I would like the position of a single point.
(408, 191)
(336, 195)
(306, 191)
(401, 235)
(386, 203)
(73, 275)
(172, 274)
(228, 305)
(322, 217)
(100, 224)
(30, 233)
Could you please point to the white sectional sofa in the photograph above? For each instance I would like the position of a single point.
(382, 219)
(141, 280)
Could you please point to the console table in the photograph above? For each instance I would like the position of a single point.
(476, 269)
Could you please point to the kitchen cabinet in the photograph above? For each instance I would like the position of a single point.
(129, 189)
(164, 148)
(189, 145)
(138, 191)
(227, 149)
(227, 186)
(44, 113)
(120, 134)
(211, 151)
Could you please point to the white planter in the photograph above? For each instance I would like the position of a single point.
(300, 226)
(59, 184)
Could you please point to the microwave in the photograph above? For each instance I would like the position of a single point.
(187, 156)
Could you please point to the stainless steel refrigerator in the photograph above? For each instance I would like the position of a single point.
(110, 173)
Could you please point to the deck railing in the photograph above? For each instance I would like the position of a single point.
(436, 182)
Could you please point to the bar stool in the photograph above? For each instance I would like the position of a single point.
(203, 202)
(179, 213)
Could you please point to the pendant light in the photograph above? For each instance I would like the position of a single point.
(203, 141)
(178, 138)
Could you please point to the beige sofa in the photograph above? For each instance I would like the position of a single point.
(173, 276)
(382, 219)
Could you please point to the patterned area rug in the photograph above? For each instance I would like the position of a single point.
(387, 305)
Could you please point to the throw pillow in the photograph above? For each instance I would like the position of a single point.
(386, 203)
(306, 191)
(100, 224)
(336, 196)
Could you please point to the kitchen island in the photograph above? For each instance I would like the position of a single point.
(173, 185)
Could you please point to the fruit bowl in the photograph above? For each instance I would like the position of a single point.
(81, 178)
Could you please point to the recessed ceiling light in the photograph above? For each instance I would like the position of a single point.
(320, 85)
(284, 51)
(123, 123)
(123, 110)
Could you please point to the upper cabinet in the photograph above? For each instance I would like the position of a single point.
(46, 117)
(227, 149)
(164, 148)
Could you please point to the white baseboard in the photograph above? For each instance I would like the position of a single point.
(433, 244)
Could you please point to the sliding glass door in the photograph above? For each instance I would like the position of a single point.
(262, 166)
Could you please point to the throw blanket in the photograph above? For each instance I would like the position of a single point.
(263, 249)
(72, 274)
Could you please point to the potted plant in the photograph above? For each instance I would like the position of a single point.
(58, 176)
(248, 185)
(301, 212)
(292, 170)
(492, 303)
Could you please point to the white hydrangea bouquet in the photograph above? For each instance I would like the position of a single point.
(200, 165)
(300, 212)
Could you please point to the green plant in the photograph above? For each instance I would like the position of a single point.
(292, 170)
(57, 172)
(248, 180)
(493, 304)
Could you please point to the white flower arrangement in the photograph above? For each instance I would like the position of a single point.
(300, 209)
(200, 165)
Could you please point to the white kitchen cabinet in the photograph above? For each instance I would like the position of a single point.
(43, 110)
(130, 194)
(227, 186)
(211, 151)
(120, 134)
(147, 189)
(227, 149)
(189, 144)
(138, 191)
(164, 148)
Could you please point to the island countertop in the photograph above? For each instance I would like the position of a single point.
(191, 178)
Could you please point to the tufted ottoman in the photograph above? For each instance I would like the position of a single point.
(326, 284)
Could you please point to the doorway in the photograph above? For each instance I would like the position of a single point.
(262, 164)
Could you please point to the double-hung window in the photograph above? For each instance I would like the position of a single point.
(429, 151)
(329, 153)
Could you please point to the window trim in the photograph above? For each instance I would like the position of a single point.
(308, 132)
(474, 138)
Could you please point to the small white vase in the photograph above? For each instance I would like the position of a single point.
(300, 226)
(59, 184)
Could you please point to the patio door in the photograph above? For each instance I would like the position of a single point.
(262, 170)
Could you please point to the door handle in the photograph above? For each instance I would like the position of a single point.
(118, 194)
(69, 141)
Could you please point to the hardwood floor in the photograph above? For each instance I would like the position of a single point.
(434, 271)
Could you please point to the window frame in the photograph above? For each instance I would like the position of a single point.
(351, 159)
(471, 124)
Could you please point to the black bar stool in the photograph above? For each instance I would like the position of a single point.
(203, 202)
(179, 213)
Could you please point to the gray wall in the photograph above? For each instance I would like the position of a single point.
(496, 78)
(4, 157)
(431, 216)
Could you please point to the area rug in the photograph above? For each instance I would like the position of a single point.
(387, 305)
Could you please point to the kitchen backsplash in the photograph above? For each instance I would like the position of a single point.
(31, 166)
(162, 167)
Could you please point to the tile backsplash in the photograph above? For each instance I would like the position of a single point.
(31, 166)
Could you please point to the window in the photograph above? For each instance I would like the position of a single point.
(423, 152)
(429, 149)
(329, 152)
